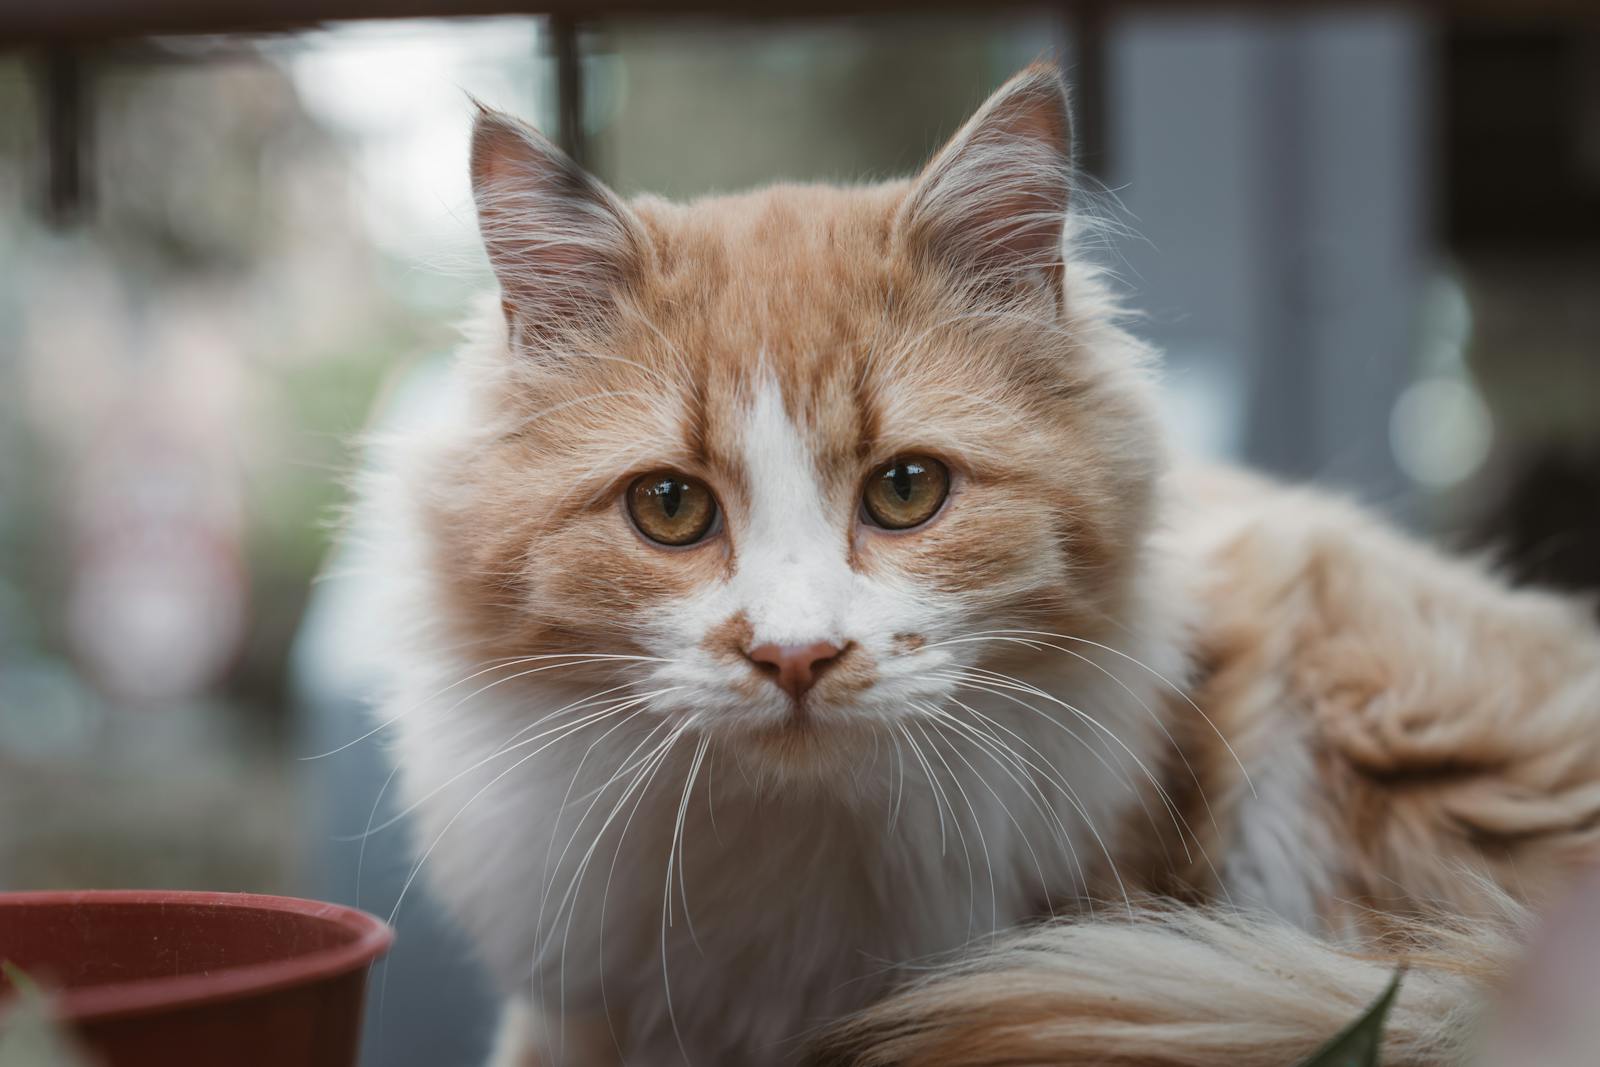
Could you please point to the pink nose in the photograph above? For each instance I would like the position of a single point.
(795, 668)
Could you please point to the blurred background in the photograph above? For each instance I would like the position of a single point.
(1365, 237)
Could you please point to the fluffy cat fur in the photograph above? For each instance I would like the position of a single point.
(1243, 741)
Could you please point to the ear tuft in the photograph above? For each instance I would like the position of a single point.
(991, 206)
(561, 243)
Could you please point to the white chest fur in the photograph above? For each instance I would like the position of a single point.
(725, 919)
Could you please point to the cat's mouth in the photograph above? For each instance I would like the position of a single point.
(811, 729)
(799, 743)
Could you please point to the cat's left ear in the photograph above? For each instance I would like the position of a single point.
(991, 206)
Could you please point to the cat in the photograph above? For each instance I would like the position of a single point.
(797, 605)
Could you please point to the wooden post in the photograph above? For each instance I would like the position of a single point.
(569, 88)
(65, 120)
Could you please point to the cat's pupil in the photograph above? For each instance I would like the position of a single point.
(900, 479)
(671, 498)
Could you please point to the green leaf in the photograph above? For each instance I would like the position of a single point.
(19, 979)
(1359, 1044)
(29, 1036)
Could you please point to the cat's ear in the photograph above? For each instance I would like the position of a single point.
(991, 206)
(562, 244)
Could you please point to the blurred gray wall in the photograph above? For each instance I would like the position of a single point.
(1275, 170)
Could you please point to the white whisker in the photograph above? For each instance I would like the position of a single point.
(961, 835)
(573, 660)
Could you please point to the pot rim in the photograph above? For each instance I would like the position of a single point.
(114, 1000)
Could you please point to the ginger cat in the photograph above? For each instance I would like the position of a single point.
(800, 605)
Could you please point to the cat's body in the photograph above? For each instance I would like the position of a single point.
(1076, 680)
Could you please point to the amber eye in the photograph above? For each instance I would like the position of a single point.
(905, 492)
(671, 509)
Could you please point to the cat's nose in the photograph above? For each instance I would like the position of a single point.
(795, 668)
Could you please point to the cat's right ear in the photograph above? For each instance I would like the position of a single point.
(562, 244)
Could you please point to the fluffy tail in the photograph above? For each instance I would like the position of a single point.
(1179, 988)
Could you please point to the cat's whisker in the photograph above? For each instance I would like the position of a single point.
(605, 895)
(543, 950)
(977, 824)
(676, 843)
(623, 769)
(986, 685)
(575, 659)
(1045, 770)
(1179, 691)
(1042, 768)
(627, 766)
(1004, 681)
(569, 897)
(900, 785)
(510, 744)
(567, 800)
(711, 806)
(927, 771)
(1059, 781)
(1029, 788)
(370, 829)
(1180, 750)
(475, 694)
(1009, 681)
(372, 815)
(1037, 639)
(952, 727)
(955, 820)
(1160, 723)
(641, 780)
(549, 872)
(683, 890)
(423, 859)
(963, 678)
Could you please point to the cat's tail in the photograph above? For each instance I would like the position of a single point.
(1175, 987)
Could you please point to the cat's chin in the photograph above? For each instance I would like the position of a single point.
(810, 744)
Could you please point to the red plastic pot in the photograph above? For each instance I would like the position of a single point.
(170, 979)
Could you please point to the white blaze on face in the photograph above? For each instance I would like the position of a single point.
(792, 584)
(792, 574)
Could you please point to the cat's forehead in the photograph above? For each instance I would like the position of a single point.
(791, 270)
(784, 294)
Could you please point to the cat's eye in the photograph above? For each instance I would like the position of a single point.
(905, 492)
(671, 509)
